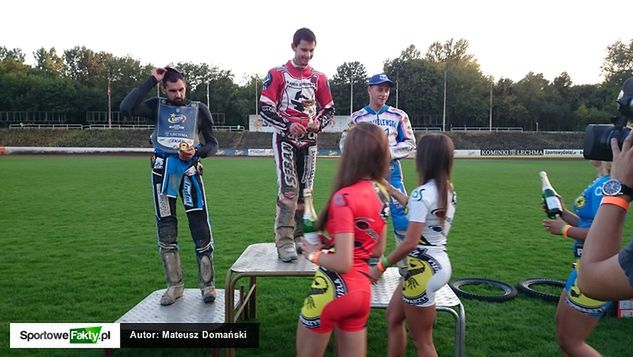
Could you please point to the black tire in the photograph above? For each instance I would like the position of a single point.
(509, 292)
(525, 286)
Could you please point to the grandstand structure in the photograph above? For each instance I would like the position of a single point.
(32, 117)
(51, 125)
(93, 120)
(494, 140)
(242, 139)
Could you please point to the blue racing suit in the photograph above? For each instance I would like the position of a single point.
(585, 207)
(397, 127)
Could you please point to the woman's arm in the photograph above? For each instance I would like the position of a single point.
(559, 227)
(340, 261)
(601, 275)
(395, 193)
(411, 240)
(569, 217)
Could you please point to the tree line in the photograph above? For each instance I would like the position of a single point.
(76, 81)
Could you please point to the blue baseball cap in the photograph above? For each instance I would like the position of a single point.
(379, 79)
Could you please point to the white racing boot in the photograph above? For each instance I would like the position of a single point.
(173, 275)
(205, 278)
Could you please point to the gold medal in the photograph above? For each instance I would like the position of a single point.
(183, 145)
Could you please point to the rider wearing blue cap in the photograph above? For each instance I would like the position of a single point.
(395, 123)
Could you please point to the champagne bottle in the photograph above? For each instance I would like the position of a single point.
(310, 233)
(553, 206)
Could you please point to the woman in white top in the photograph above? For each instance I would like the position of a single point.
(431, 209)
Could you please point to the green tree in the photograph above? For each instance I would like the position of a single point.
(124, 74)
(12, 60)
(451, 50)
(349, 75)
(418, 88)
(467, 89)
(507, 110)
(225, 97)
(87, 67)
(618, 64)
(48, 61)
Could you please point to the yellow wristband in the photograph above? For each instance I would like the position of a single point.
(616, 201)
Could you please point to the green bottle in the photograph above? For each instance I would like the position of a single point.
(310, 217)
(553, 207)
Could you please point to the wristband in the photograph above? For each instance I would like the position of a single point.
(314, 257)
(616, 201)
(565, 230)
(385, 262)
(381, 267)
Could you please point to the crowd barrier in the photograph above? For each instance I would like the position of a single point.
(460, 154)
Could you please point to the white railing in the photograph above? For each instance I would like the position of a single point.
(485, 128)
(46, 126)
(425, 128)
(32, 117)
(118, 126)
(229, 127)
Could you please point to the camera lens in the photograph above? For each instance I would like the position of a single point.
(597, 141)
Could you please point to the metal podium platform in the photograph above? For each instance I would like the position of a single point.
(260, 260)
(188, 309)
(445, 300)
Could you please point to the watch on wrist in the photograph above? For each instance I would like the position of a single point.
(614, 187)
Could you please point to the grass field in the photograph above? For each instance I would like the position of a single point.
(78, 245)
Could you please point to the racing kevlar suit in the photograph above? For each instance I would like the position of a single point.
(586, 208)
(292, 95)
(395, 123)
(171, 177)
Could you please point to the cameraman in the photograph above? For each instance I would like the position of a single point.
(607, 271)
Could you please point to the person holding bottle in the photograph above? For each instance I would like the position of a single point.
(577, 314)
(356, 220)
(431, 209)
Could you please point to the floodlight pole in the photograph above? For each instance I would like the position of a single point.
(444, 106)
(208, 106)
(397, 78)
(490, 118)
(256, 99)
(109, 102)
(351, 92)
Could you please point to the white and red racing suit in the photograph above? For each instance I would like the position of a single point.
(292, 95)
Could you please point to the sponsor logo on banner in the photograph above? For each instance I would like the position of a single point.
(462, 153)
(563, 152)
(512, 152)
(260, 152)
(64, 335)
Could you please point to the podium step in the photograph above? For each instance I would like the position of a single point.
(188, 309)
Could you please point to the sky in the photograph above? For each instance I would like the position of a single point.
(508, 38)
